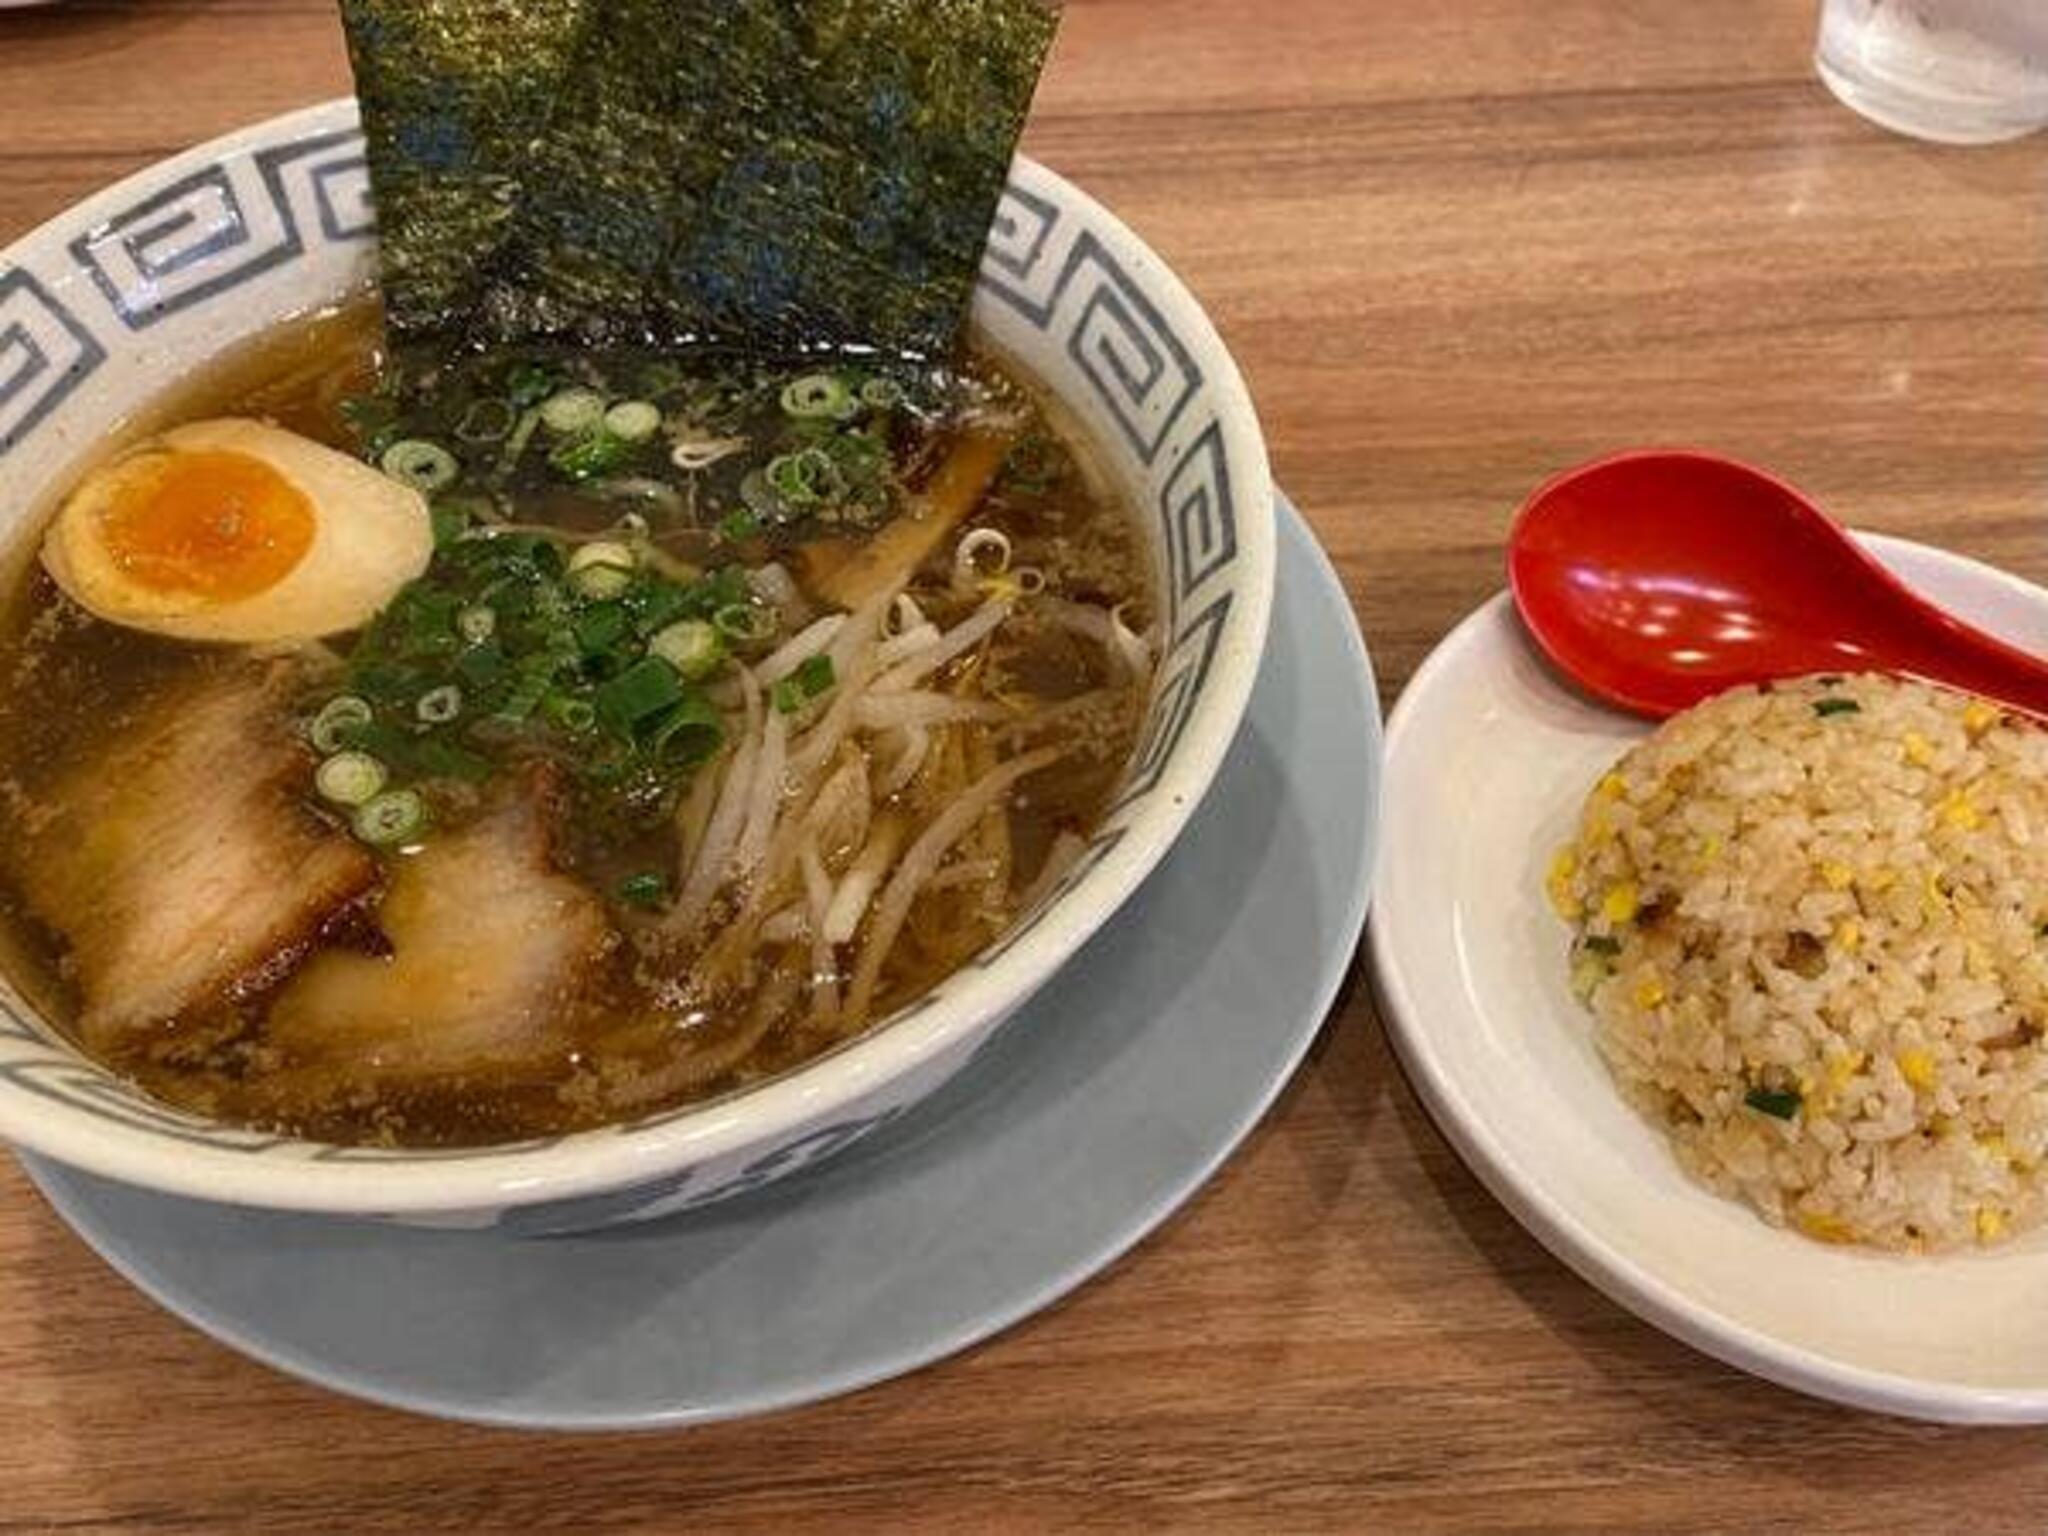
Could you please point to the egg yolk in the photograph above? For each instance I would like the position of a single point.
(213, 524)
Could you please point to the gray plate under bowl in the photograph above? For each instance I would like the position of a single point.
(1093, 1115)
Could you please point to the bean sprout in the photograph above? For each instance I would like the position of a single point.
(899, 647)
(962, 637)
(917, 744)
(691, 454)
(904, 616)
(777, 588)
(981, 553)
(799, 649)
(879, 711)
(785, 927)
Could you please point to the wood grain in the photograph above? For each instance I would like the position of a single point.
(1455, 246)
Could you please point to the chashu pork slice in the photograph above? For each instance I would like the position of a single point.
(179, 861)
(491, 950)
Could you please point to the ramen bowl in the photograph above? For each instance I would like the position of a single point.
(107, 305)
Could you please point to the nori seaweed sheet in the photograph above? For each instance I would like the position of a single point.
(779, 175)
(454, 94)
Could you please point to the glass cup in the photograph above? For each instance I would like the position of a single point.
(1957, 71)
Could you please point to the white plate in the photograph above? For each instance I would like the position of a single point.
(1489, 757)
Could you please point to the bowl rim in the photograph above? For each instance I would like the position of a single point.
(422, 1181)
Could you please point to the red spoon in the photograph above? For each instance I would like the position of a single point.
(1657, 578)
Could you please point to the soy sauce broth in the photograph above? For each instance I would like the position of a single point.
(659, 1012)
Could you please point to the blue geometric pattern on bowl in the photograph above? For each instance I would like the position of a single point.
(190, 242)
(159, 256)
(45, 354)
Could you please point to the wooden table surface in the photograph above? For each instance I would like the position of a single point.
(1456, 246)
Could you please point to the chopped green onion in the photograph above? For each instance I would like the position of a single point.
(690, 732)
(649, 888)
(435, 759)
(373, 419)
(602, 568)
(727, 585)
(805, 478)
(528, 384)
(821, 473)
(481, 665)
(1032, 466)
(349, 778)
(338, 717)
(739, 525)
(573, 715)
(693, 647)
(744, 621)
(591, 457)
(787, 478)
(437, 706)
(654, 604)
(812, 677)
(818, 396)
(572, 411)
(390, 817)
(486, 421)
(515, 444)
(1778, 1104)
(524, 698)
(425, 466)
(447, 522)
(616, 554)
(471, 506)
(633, 421)
(601, 627)
(477, 623)
(643, 690)
(1828, 707)
(816, 674)
(762, 500)
(881, 394)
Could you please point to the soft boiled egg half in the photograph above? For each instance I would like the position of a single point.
(236, 530)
